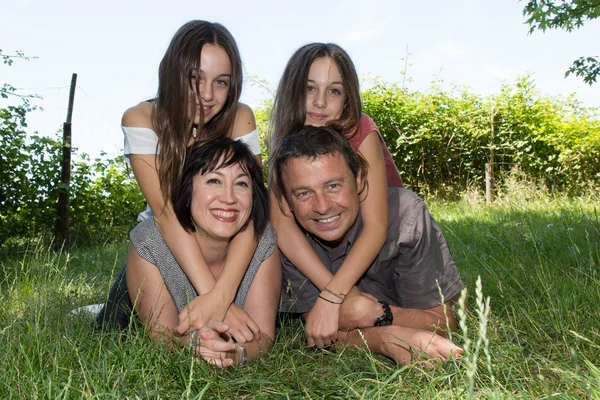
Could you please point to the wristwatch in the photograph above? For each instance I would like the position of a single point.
(243, 354)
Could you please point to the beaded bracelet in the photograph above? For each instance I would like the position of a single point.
(329, 301)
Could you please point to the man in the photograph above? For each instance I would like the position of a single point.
(396, 304)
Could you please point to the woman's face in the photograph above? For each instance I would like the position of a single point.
(215, 79)
(221, 202)
(325, 93)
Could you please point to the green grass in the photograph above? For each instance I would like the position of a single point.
(538, 260)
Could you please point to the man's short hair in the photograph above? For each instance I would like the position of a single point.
(208, 156)
(312, 142)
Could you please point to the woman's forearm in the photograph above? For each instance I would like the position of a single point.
(239, 255)
(362, 254)
(294, 245)
(186, 251)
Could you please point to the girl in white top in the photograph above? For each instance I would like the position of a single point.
(200, 81)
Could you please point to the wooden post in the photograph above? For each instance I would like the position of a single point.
(488, 183)
(489, 167)
(62, 223)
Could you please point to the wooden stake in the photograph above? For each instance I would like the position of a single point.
(62, 223)
(489, 167)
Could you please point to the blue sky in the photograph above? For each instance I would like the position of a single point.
(115, 48)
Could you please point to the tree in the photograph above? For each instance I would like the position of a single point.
(567, 15)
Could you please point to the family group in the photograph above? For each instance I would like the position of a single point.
(332, 236)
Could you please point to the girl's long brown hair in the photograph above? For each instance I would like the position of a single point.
(289, 108)
(175, 103)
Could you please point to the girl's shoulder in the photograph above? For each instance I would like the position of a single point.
(367, 124)
(139, 116)
(244, 122)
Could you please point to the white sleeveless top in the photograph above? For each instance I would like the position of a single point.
(144, 141)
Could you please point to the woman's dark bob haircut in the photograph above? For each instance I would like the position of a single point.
(211, 155)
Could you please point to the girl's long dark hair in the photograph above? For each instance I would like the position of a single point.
(289, 108)
(175, 100)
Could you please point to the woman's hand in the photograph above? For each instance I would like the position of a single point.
(241, 326)
(215, 346)
(197, 313)
(322, 324)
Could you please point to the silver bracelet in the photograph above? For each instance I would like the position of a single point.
(191, 343)
(243, 354)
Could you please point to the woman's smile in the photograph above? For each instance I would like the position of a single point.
(225, 215)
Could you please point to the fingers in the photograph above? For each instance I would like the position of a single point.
(216, 325)
(208, 334)
(455, 352)
(254, 328)
(217, 359)
(441, 348)
(211, 340)
(190, 323)
(183, 328)
(242, 335)
(320, 341)
(213, 330)
(183, 315)
(243, 327)
(217, 345)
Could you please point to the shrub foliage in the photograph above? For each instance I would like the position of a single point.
(442, 139)
(104, 201)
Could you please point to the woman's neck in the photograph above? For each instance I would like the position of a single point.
(213, 250)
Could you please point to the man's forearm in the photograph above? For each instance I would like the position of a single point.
(438, 319)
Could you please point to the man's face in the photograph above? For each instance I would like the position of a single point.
(323, 195)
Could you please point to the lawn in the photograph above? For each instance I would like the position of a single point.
(538, 262)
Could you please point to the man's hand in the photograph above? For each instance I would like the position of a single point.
(215, 346)
(406, 344)
(199, 311)
(241, 326)
(322, 324)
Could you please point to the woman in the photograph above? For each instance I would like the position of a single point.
(220, 194)
(200, 80)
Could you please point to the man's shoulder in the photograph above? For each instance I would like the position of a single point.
(404, 206)
(403, 197)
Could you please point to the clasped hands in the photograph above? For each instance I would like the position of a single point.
(217, 327)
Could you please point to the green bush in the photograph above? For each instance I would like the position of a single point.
(441, 140)
(104, 201)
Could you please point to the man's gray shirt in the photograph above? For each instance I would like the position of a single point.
(413, 262)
